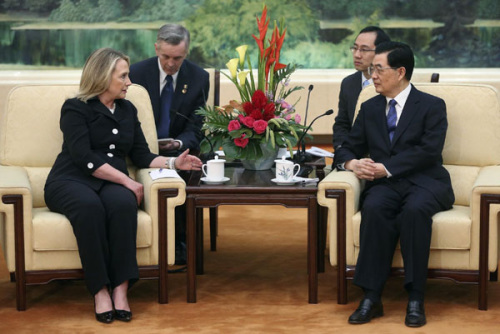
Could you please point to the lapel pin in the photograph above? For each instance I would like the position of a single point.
(185, 89)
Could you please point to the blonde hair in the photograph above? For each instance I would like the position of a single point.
(97, 71)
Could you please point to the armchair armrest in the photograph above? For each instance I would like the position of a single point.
(161, 196)
(151, 188)
(14, 180)
(16, 204)
(485, 205)
(340, 192)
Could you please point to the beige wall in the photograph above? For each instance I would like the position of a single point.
(323, 97)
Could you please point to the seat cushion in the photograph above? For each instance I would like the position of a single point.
(53, 231)
(450, 229)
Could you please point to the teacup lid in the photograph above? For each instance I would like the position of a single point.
(217, 160)
(283, 160)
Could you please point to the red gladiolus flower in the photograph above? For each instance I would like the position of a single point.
(241, 142)
(234, 125)
(260, 126)
(247, 121)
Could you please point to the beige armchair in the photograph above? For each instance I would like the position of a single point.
(39, 245)
(464, 245)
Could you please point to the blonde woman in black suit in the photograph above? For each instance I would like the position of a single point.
(89, 182)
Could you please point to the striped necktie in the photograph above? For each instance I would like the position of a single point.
(392, 118)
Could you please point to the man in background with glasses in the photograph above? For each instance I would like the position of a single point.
(363, 52)
(402, 132)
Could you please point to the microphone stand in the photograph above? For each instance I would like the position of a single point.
(303, 156)
(302, 143)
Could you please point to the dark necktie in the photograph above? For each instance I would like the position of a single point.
(392, 117)
(167, 95)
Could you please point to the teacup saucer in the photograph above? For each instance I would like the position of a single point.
(208, 181)
(284, 183)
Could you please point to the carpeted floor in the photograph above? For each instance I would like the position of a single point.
(256, 282)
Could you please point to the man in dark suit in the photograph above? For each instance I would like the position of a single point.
(190, 85)
(363, 52)
(177, 88)
(403, 131)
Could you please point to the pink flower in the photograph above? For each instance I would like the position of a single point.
(260, 126)
(297, 118)
(246, 121)
(288, 117)
(241, 142)
(234, 125)
(285, 105)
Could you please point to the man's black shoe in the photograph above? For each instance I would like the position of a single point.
(366, 311)
(415, 314)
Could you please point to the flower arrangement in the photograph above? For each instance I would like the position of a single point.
(263, 119)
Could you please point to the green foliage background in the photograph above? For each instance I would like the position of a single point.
(319, 32)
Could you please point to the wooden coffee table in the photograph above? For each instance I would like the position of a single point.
(247, 187)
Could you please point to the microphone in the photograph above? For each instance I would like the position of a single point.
(206, 156)
(303, 144)
(303, 156)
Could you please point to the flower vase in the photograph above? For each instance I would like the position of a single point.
(265, 162)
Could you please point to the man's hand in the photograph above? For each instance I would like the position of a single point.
(170, 145)
(366, 169)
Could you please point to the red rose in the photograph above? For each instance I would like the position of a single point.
(260, 126)
(246, 121)
(241, 142)
(234, 125)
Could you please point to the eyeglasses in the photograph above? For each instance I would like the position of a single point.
(362, 50)
(380, 70)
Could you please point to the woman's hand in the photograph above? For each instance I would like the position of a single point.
(137, 188)
(186, 161)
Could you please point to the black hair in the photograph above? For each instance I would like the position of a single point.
(381, 34)
(399, 55)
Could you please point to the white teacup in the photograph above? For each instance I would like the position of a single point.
(284, 170)
(214, 169)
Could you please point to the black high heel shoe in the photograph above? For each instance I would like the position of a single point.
(104, 317)
(123, 315)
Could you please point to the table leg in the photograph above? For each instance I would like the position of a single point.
(191, 249)
(322, 226)
(312, 250)
(214, 228)
(199, 242)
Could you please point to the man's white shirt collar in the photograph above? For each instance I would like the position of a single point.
(163, 75)
(363, 79)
